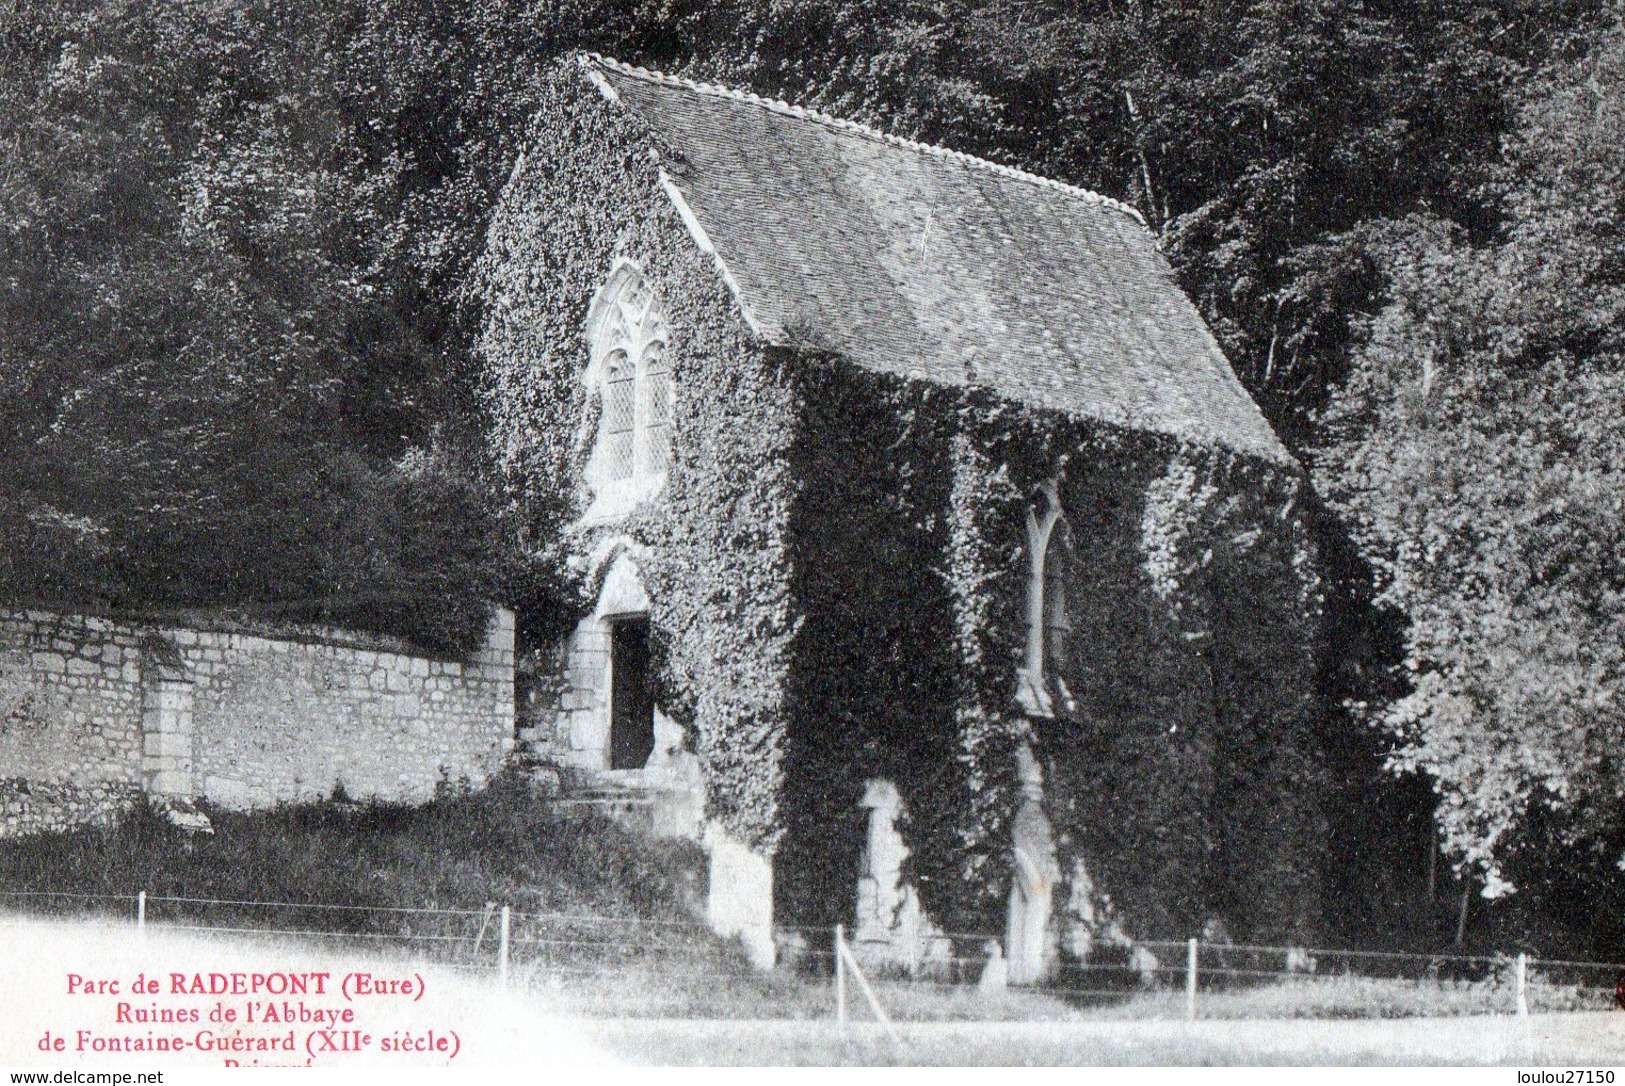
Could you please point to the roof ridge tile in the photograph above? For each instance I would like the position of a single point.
(779, 105)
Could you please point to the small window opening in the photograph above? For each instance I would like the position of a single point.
(1057, 619)
(631, 697)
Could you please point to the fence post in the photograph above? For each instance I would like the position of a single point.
(1523, 984)
(502, 953)
(868, 994)
(1190, 979)
(141, 914)
(840, 973)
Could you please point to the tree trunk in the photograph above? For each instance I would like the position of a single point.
(1151, 209)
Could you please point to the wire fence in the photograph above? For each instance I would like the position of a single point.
(636, 966)
(1194, 978)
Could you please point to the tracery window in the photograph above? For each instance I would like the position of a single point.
(629, 372)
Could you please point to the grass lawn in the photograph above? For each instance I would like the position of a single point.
(1594, 1039)
(604, 923)
(525, 1027)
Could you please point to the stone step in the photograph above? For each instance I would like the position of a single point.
(605, 799)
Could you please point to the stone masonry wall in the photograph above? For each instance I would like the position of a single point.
(70, 720)
(94, 712)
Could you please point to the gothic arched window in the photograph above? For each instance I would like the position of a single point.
(629, 372)
(1058, 573)
(1050, 574)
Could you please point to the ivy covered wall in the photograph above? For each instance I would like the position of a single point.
(1182, 785)
(711, 551)
(874, 680)
(837, 572)
(1187, 780)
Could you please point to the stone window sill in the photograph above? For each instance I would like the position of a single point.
(614, 502)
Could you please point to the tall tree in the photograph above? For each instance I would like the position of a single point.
(1476, 450)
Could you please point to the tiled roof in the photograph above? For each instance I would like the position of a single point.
(924, 262)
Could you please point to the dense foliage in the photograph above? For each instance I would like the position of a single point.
(215, 384)
(1477, 450)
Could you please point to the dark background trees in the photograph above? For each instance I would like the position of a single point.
(222, 382)
(234, 341)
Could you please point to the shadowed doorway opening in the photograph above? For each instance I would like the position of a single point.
(631, 698)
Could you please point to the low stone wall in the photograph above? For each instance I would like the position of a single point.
(32, 807)
(94, 711)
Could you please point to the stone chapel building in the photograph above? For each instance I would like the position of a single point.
(906, 536)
